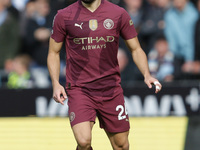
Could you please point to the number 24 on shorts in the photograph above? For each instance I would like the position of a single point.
(122, 109)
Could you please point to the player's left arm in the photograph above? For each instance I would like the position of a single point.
(140, 59)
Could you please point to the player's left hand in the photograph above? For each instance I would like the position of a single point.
(152, 81)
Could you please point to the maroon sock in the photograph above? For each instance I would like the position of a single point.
(90, 148)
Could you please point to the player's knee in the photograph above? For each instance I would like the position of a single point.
(122, 145)
(125, 146)
(84, 143)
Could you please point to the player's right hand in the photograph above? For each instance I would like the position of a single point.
(59, 94)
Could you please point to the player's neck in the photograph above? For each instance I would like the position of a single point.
(93, 6)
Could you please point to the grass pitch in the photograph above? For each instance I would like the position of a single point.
(32, 133)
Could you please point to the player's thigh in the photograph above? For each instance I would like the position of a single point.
(83, 132)
(81, 107)
(113, 116)
(119, 141)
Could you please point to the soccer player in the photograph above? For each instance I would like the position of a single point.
(90, 30)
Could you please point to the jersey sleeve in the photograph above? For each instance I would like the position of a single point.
(58, 31)
(127, 29)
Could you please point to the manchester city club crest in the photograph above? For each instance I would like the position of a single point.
(72, 116)
(108, 24)
(93, 24)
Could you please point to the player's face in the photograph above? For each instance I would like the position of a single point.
(88, 1)
(179, 4)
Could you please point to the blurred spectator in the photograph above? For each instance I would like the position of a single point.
(19, 4)
(8, 66)
(161, 60)
(117, 2)
(38, 32)
(180, 22)
(134, 8)
(123, 62)
(30, 9)
(9, 33)
(152, 22)
(164, 4)
(12, 10)
(194, 67)
(19, 76)
(197, 35)
(59, 4)
(122, 59)
(26, 14)
(35, 20)
(127, 71)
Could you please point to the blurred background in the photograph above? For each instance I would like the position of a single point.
(169, 33)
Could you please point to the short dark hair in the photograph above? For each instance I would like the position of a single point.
(161, 37)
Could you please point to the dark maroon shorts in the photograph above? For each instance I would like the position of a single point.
(86, 105)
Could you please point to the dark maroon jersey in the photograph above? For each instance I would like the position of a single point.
(92, 40)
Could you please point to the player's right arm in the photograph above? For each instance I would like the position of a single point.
(53, 63)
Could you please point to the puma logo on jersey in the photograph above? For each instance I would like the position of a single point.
(79, 25)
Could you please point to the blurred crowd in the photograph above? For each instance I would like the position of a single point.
(168, 30)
